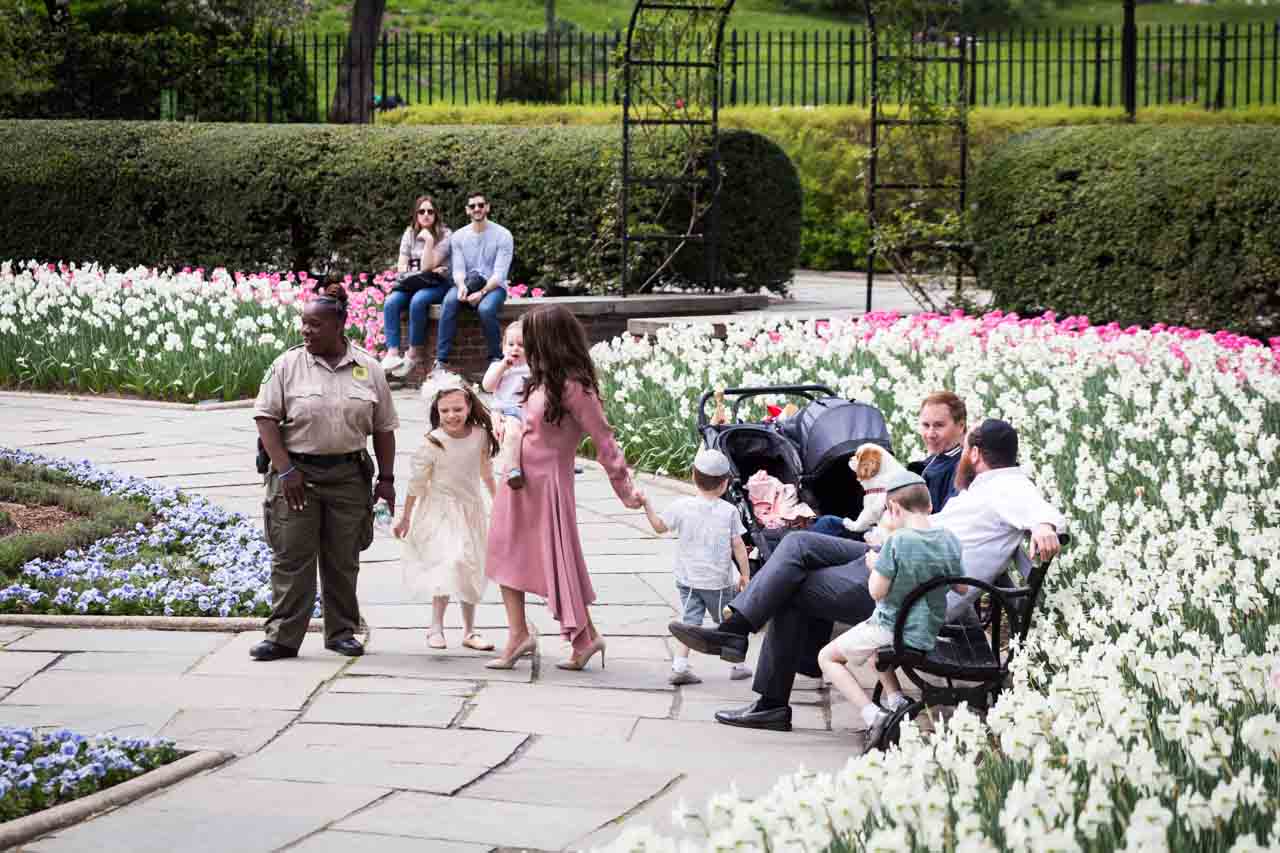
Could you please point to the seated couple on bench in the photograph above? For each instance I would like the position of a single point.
(451, 269)
(813, 580)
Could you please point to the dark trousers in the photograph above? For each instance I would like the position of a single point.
(327, 534)
(810, 582)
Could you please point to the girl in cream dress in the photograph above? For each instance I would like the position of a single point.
(445, 524)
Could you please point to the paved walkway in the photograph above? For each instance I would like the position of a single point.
(404, 749)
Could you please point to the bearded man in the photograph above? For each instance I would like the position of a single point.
(813, 581)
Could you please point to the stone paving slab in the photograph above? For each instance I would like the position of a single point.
(214, 813)
(128, 721)
(402, 686)
(519, 825)
(554, 783)
(17, 667)
(125, 663)
(339, 841)
(112, 640)
(228, 730)
(624, 674)
(431, 760)
(182, 691)
(313, 662)
(442, 667)
(569, 712)
(384, 709)
(489, 617)
(9, 634)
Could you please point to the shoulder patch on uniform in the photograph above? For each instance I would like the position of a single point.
(360, 372)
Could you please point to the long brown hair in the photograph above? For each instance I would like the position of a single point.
(437, 222)
(555, 345)
(479, 417)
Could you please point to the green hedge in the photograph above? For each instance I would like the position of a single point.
(338, 198)
(1135, 225)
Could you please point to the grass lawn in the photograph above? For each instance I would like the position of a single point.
(483, 16)
(486, 16)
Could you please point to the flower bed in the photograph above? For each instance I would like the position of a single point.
(195, 560)
(157, 333)
(42, 770)
(1143, 712)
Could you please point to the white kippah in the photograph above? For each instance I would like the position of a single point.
(713, 463)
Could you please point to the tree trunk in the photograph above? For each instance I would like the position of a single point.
(353, 100)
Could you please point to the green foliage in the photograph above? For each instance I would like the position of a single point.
(123, 75)
(294, 197)
(101, 515)
(1135, 225)
(531, 83)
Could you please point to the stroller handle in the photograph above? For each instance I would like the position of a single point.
(742, 394)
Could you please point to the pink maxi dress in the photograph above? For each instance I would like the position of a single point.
(533, 534)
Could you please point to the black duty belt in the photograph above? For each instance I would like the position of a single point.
(325, 460)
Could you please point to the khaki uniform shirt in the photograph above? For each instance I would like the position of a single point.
(326, 410)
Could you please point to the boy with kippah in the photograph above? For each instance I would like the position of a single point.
(710, 532)
(915, 552)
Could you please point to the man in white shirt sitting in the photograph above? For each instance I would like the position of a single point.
(812, 581)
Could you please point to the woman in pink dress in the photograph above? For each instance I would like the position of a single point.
(533, 535)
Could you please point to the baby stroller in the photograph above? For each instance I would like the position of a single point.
(810, 450)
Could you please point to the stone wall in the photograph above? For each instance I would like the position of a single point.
(604, 317)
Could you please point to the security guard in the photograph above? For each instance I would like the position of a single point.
(317, 406)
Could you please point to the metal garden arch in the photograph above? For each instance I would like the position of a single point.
(672, 76)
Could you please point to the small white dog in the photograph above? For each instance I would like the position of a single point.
(872, 465)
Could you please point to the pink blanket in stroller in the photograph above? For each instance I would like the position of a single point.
(775, 503)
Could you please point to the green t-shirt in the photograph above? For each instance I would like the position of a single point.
(908, 559)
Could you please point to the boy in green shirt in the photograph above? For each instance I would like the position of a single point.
(914, 553)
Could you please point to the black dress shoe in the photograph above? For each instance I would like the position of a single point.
(269, 650)
(773, 719)
(350, 647)
(729, 646)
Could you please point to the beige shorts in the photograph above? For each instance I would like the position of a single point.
(863, 640)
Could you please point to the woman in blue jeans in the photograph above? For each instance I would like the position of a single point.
(423, 281)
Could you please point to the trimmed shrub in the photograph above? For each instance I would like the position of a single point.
(1135, 225)
(336, 199)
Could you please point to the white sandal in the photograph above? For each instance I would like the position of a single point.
(435, 639)
(474, 640)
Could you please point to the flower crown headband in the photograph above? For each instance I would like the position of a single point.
(441, 383)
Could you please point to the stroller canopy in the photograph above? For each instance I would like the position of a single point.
(830, 429)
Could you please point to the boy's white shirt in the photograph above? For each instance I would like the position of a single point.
(704, 555)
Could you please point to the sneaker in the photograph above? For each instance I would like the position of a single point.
(403, 369)
(739, 672)
(391, 362)
(438, 368)
(876, 731)
(901, 702)
(684, 677)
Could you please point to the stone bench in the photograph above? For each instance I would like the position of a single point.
(605, 317)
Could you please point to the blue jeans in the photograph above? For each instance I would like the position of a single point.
(830, 525)
(488, 309)
(419, 306)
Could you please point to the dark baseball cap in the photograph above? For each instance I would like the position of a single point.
(998, 438)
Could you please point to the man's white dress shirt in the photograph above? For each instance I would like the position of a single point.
(991, 519)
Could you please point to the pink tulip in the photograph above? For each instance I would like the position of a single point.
(537, 293)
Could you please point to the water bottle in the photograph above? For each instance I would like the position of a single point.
(382, 515)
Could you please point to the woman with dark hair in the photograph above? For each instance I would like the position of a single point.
(423, 281)
(533, 536)
(317, 407)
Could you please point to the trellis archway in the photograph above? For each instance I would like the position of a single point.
(672, 75)
(917, 165)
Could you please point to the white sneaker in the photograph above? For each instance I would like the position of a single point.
(739, 672)
(901, 702)
(403, 368)
(391, 362)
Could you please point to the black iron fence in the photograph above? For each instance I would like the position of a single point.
(295, 77)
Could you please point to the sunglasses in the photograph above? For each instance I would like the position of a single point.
(424, 211)
(477, 205)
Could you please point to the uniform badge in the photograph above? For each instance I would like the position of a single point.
(360, 372)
